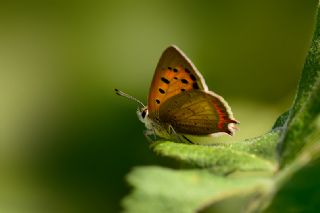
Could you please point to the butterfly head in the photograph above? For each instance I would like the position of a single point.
(142, 114)
(142, 110)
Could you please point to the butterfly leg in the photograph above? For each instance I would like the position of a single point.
(173, 132)
(154, 134)
(147, 134)
(187, 139)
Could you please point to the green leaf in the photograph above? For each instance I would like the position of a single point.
(306, 108)
(263, 146)
(160, 190)
(281, 121)
(249, 155)
(219, 174)
(297, 186)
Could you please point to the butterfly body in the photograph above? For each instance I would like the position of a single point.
(180, 104)
(154, 127)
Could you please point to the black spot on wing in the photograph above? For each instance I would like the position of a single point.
(163, 79)
(184, 81)
(195, 85)
(175, 70)
(187, 70)
(158, 101)
(161, 91)
(193, 77)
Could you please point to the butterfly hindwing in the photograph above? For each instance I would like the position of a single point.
(197, 112)
(174, 74)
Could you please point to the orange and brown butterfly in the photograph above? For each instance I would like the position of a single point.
(180, 104)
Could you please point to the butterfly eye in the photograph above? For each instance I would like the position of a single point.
(143, 114)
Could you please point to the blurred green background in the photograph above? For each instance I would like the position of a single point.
(67, 141)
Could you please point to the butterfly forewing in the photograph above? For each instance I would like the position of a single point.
(174, 74)
(197, 113)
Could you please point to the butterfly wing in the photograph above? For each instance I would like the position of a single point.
(174, 74)
(197, 112)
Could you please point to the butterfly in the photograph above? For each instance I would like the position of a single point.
(180, 104)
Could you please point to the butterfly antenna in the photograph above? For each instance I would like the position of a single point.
(123, 94)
